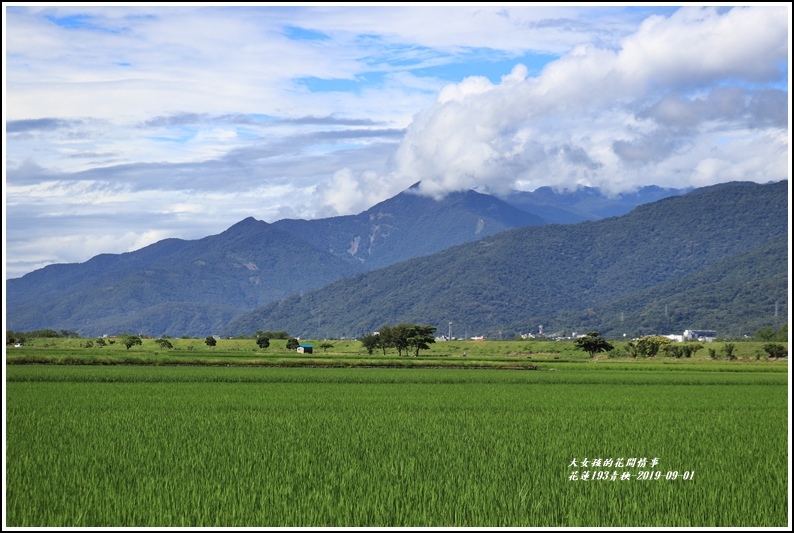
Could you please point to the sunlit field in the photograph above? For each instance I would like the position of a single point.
(698, 443)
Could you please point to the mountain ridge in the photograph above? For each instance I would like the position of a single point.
(204, 283)
(409, 225)
(542, 271)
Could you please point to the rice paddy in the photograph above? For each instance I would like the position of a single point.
(178, 446)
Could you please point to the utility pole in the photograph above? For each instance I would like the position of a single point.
(449, 336)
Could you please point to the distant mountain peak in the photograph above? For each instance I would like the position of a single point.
(248, 221)
(248, 224)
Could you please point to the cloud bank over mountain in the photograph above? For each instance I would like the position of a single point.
(687, 100)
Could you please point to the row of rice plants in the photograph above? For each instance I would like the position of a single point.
(392, 448)
(558, 373)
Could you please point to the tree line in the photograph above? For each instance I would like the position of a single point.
(653, 345)
(14, 337)
(411, 338)
(405, 338)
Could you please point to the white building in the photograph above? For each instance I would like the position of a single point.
(703, 335)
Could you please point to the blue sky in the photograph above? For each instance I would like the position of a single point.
(127, 124)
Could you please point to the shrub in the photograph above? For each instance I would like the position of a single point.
(775, 350)
(729, 348)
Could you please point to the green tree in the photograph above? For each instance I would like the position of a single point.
(419, 337)
(404, 337)
(397, 337)
(632, 349)
(681, 350)
(650, 345)
(370, 342)
(765, 334)
(100, 342)
(770, 335)
(292, 343)
(693, 349)
(263, 342)
(14, 338)
(38, 334)
(729, 348)
(386, 336)
(775, 350)
(210, 340)
(673, 350)
(164, 343)
(283, 335)
(593, 343)
(131, 340)
(326, 345)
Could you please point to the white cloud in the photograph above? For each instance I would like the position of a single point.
(349, 192)
(701, 45)
(582, 120)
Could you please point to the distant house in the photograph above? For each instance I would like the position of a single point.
(703, 335)
(305, 348)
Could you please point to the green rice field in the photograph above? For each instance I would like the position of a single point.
(200, 446)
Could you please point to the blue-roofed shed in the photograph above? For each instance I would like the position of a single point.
(305, 348)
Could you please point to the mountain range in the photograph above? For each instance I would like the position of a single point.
(238, 279)
(715, 257)
(584, 203)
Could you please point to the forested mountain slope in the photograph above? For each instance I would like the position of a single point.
(536, 272)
